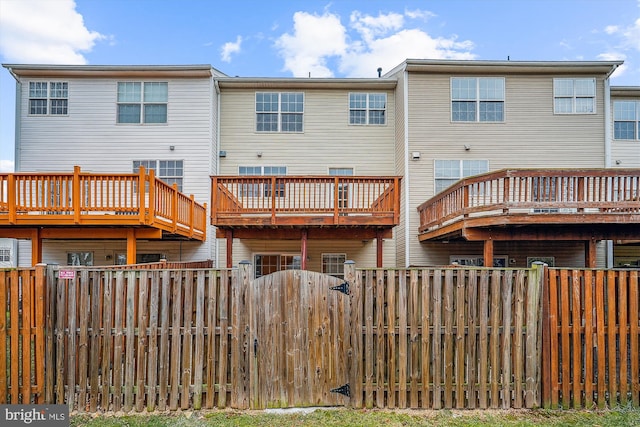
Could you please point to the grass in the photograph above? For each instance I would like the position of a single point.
(621, 417)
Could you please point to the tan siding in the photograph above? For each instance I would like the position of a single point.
(327, 141)
(401, 230)
(531, 135)
(624, 153)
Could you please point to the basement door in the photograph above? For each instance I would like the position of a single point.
(300, 331)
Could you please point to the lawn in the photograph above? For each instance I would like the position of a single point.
(346, 417)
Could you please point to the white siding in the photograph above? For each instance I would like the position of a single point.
(90, 137)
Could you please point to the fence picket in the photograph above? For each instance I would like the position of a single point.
(152, 365)
(381, 358)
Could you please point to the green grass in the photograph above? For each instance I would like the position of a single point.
(353, 418)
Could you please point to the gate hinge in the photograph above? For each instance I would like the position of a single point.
(344, 288)
(343, 389)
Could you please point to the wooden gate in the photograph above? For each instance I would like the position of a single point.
(300, 329)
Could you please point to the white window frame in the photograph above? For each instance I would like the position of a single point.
(368, 104)
(143, 100)
(5, 254)
(481, 95)
(279, 255)
(248, 190)
(576, 94)
(464, 169)
(334, 266)
(80, 258)
(53, 95)
(619, 117)
(161, 169)
(502, 261)
(279, 109)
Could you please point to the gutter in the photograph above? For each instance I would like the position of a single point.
(216, 153)
(17, 121)
(406, 185)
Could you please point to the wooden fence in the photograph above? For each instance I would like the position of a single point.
(591, 338)
(164, 339)
(22, 335)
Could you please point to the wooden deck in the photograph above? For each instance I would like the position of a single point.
(537, 204)
(305, 201)
(82, 199)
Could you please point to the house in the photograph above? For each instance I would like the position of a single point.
(308, 172)
(113, 122)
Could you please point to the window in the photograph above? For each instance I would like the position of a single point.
(5, 255)
(367, 108)
(448, 172)
(142, 102)
(626, 120)
(253, 190)
(343, 188)
(48, 98)
(279, 111)
(270, 263)
(169, 171)
(333, 264)
(477, 261)
(477, 99)
(574, 96)
(79, 258)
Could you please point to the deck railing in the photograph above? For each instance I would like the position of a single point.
(81, 198)
(280, 199)
(535, 191)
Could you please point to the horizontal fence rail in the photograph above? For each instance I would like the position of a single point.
(282, 197)
(81, 198)
(593, 342)
(536, 191)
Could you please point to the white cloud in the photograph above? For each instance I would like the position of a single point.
(615, 56)
(419, 14)
(44, 31)
(230, 48)
(314, 40)
(6, 166)
(367, 43)
(611, 29)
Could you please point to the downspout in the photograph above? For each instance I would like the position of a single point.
(17, 121)
(217, 160)
(406, 185)
(607, 149)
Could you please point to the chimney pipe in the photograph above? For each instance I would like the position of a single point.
(379, 71)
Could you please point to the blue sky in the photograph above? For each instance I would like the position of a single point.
(340, 38)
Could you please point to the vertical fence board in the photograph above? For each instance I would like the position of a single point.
(4, 288)
(187, 339)
(198, 360)
(130, 339)
(576, 339)
(506, 338)
(391, 338)
(165, 343)
(72, 348)
(472, 342)
(414, 318)
(622, 334)
(152, 365)
(448, 339)
(214, 283)
(94, 341)
(600, 313)
(460, 355)
(588, 339)
(25, 335)
(518, 336)
(381, 358)
(437, 339)
(426, 337)
(368, 339)
(494, 339)
(402, 339)
(142, 355)
(176, 343)
(83, 340)
(611, 336)
(634, 332)
(224, 344)
(483, 340)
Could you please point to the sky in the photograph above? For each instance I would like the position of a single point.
(301, 38)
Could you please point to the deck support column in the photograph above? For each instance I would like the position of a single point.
(131, 246)
(36, 247)
(590, 253)
(379, 248)
(488, 253)
(229, 237)
(303, 248)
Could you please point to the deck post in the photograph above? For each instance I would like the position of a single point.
(131, 246)
(379, 248)
(303, 249)
(488, 252)
(36, 247)
(590, 253)
(229, 236)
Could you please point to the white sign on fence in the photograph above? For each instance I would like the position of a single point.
(67, 274)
